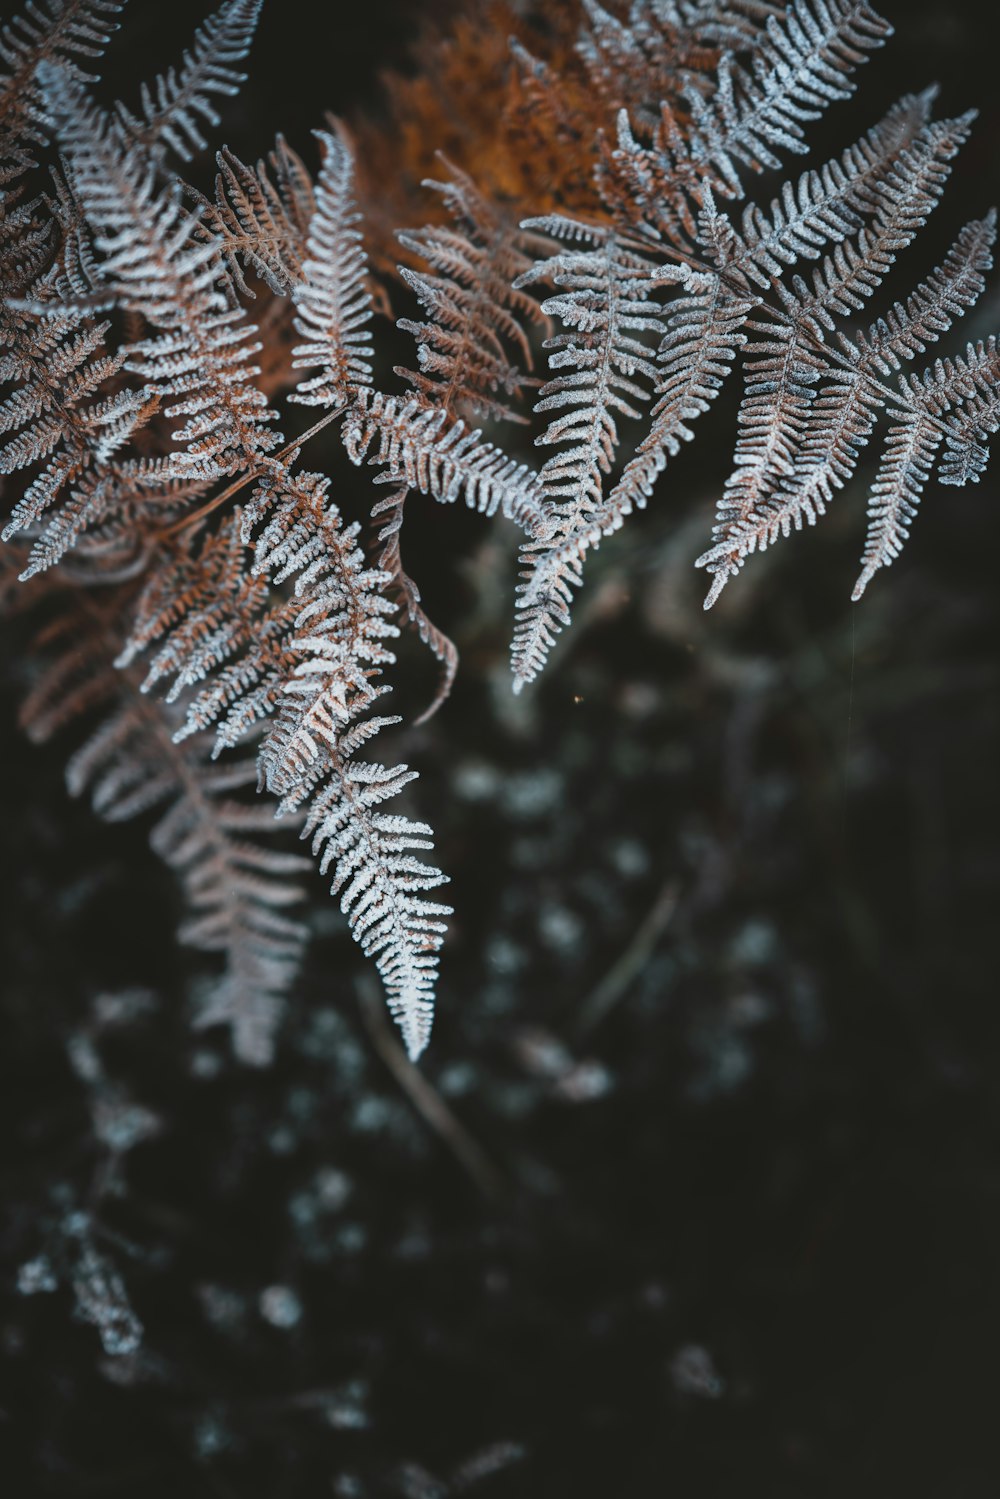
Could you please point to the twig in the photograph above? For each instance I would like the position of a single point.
(619, 976)
(425, 1099)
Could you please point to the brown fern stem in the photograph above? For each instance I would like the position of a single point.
(260, 472)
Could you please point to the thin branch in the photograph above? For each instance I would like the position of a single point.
(619, 977)
(425, 1099)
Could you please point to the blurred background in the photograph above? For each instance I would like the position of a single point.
(701, 1191)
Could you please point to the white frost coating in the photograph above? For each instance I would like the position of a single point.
(333, 302)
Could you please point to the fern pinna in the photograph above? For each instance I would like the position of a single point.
(206, 601)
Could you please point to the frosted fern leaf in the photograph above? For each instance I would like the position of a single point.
(380, 881)
(443, 459)
(332, 299)
(237, 892)
(200, 361)
(474, 347)
(813, 396)
(258, 222)
(175, 103)
(137, 409)
(607, 302)
(52, 31)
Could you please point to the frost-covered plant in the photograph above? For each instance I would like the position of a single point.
(143, 397)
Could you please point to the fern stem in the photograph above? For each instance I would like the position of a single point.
(289, 451)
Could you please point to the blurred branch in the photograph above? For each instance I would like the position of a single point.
(425, 1099)
(619, 978)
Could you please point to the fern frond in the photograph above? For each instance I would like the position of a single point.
(267, 631)
(660, 187)
(25, 253)
(478, 319)
(200, 359)
(965, 391)
(258, 224)
(639, 62)
(307, 665)
(237, 892)
(176, 100)
(380, 882)
(805, 62)
(809, 408)
(244, 655)
(910, 451)
(47, 31)
(549, 131)
(653, 188)
(67, 416)
(783, 373)
(226, 638)
(221, 636)
(845, 411)
(703, 333)
(898, 167)
(664, 49)
(202, 604)
(337, 642)
(68, 412)
(240, 893)
(78, 263)
(335, 651)
(418, 447)
(781, 383)
(932, 308)
(739, 25)
(607, 302)
(332, 301)
(893, 179)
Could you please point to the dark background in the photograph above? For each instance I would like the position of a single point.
(741, 1237)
